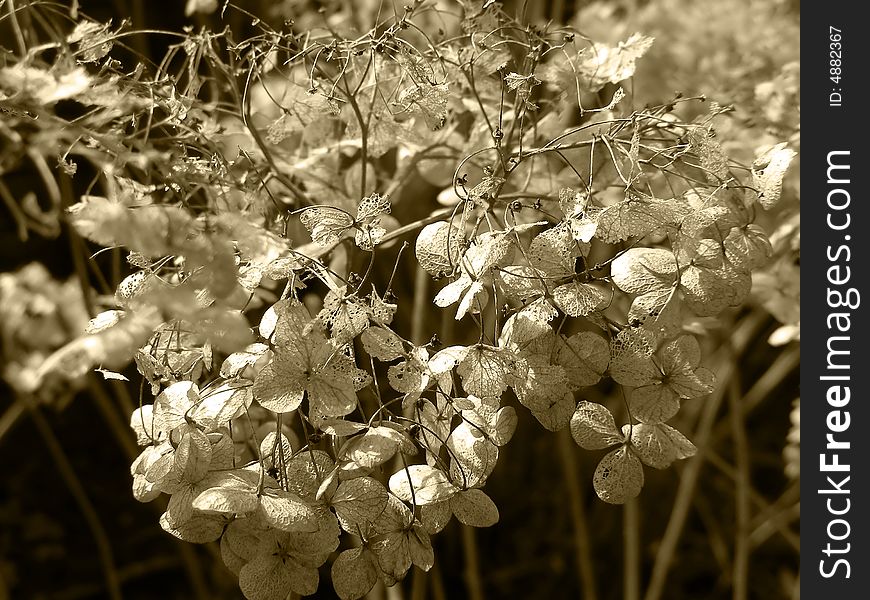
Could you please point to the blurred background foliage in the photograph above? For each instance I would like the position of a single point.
(65, 501)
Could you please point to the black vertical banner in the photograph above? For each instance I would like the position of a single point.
(835, 259)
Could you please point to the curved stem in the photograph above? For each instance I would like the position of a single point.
(77, 490)
(631, 550)
(16, 28)
(745, 332)
(473, 582)
(582, 543)
(742, 548)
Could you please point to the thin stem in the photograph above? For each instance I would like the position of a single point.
(765, 513)
(16, 28)
(17, 214)
(119, 428)
(77, 490)
(418, 585)
(76, 245)
(631, 550)
(777, 523)
(421, 305)
(740, 570)
(582, 543)
(779, 369)
(473, 582)
(10, 417)
(744, 333)
(437, 583)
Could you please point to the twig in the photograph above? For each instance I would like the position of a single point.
(746, 331)
(123, 436)
(764, 510)
(473, 583)
(740, 570)
(582, 543)
(125, 440)
(791, 495)
(122, 432)
(10, 417)
(76, 489)
(796, 589)
(394, 593)
(75, 246)
(437, 581)
(779, 369)
(126, 573)
(418, 585)
(17, 214)
(193, 569)
(421, 305)
(631, 550)
(379, 592)
(19, 36)
(776, 523)
(716, 538)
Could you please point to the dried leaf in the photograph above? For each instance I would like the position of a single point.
(604, 64)
(636, 217)
(660, 445)
(556, 413)
(287, 512)
(305, 472)
(578, 299)
(618, 477)
(486, 371)
(473, 457)
(358, 502)
(655, 403)
(474, 508)
(376, 446)
(271, 575)
(236, 364)
(768, 171)
(193, 455)
(631, 358)
(502, 425)
(382, 343)
(584, 356)
(354, 573)
(593, 427)
(227, 500)
(439, 248)
(435, 517)
(326, 224)
(553, 252)
(222, 404)
(421, 484)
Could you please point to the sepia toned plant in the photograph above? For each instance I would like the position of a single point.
(258, 184)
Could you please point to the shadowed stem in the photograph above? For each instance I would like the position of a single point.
(418, 585)
(778, 370)
(765, 513)
(631, 550)
(16, 28)
(582, 544)
(437, 583)
(745, 331)
(473, 583)
(421, 306)
(77, 490)
(740, 571)
(124, 437)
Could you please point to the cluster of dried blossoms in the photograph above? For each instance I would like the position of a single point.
(592, 235)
